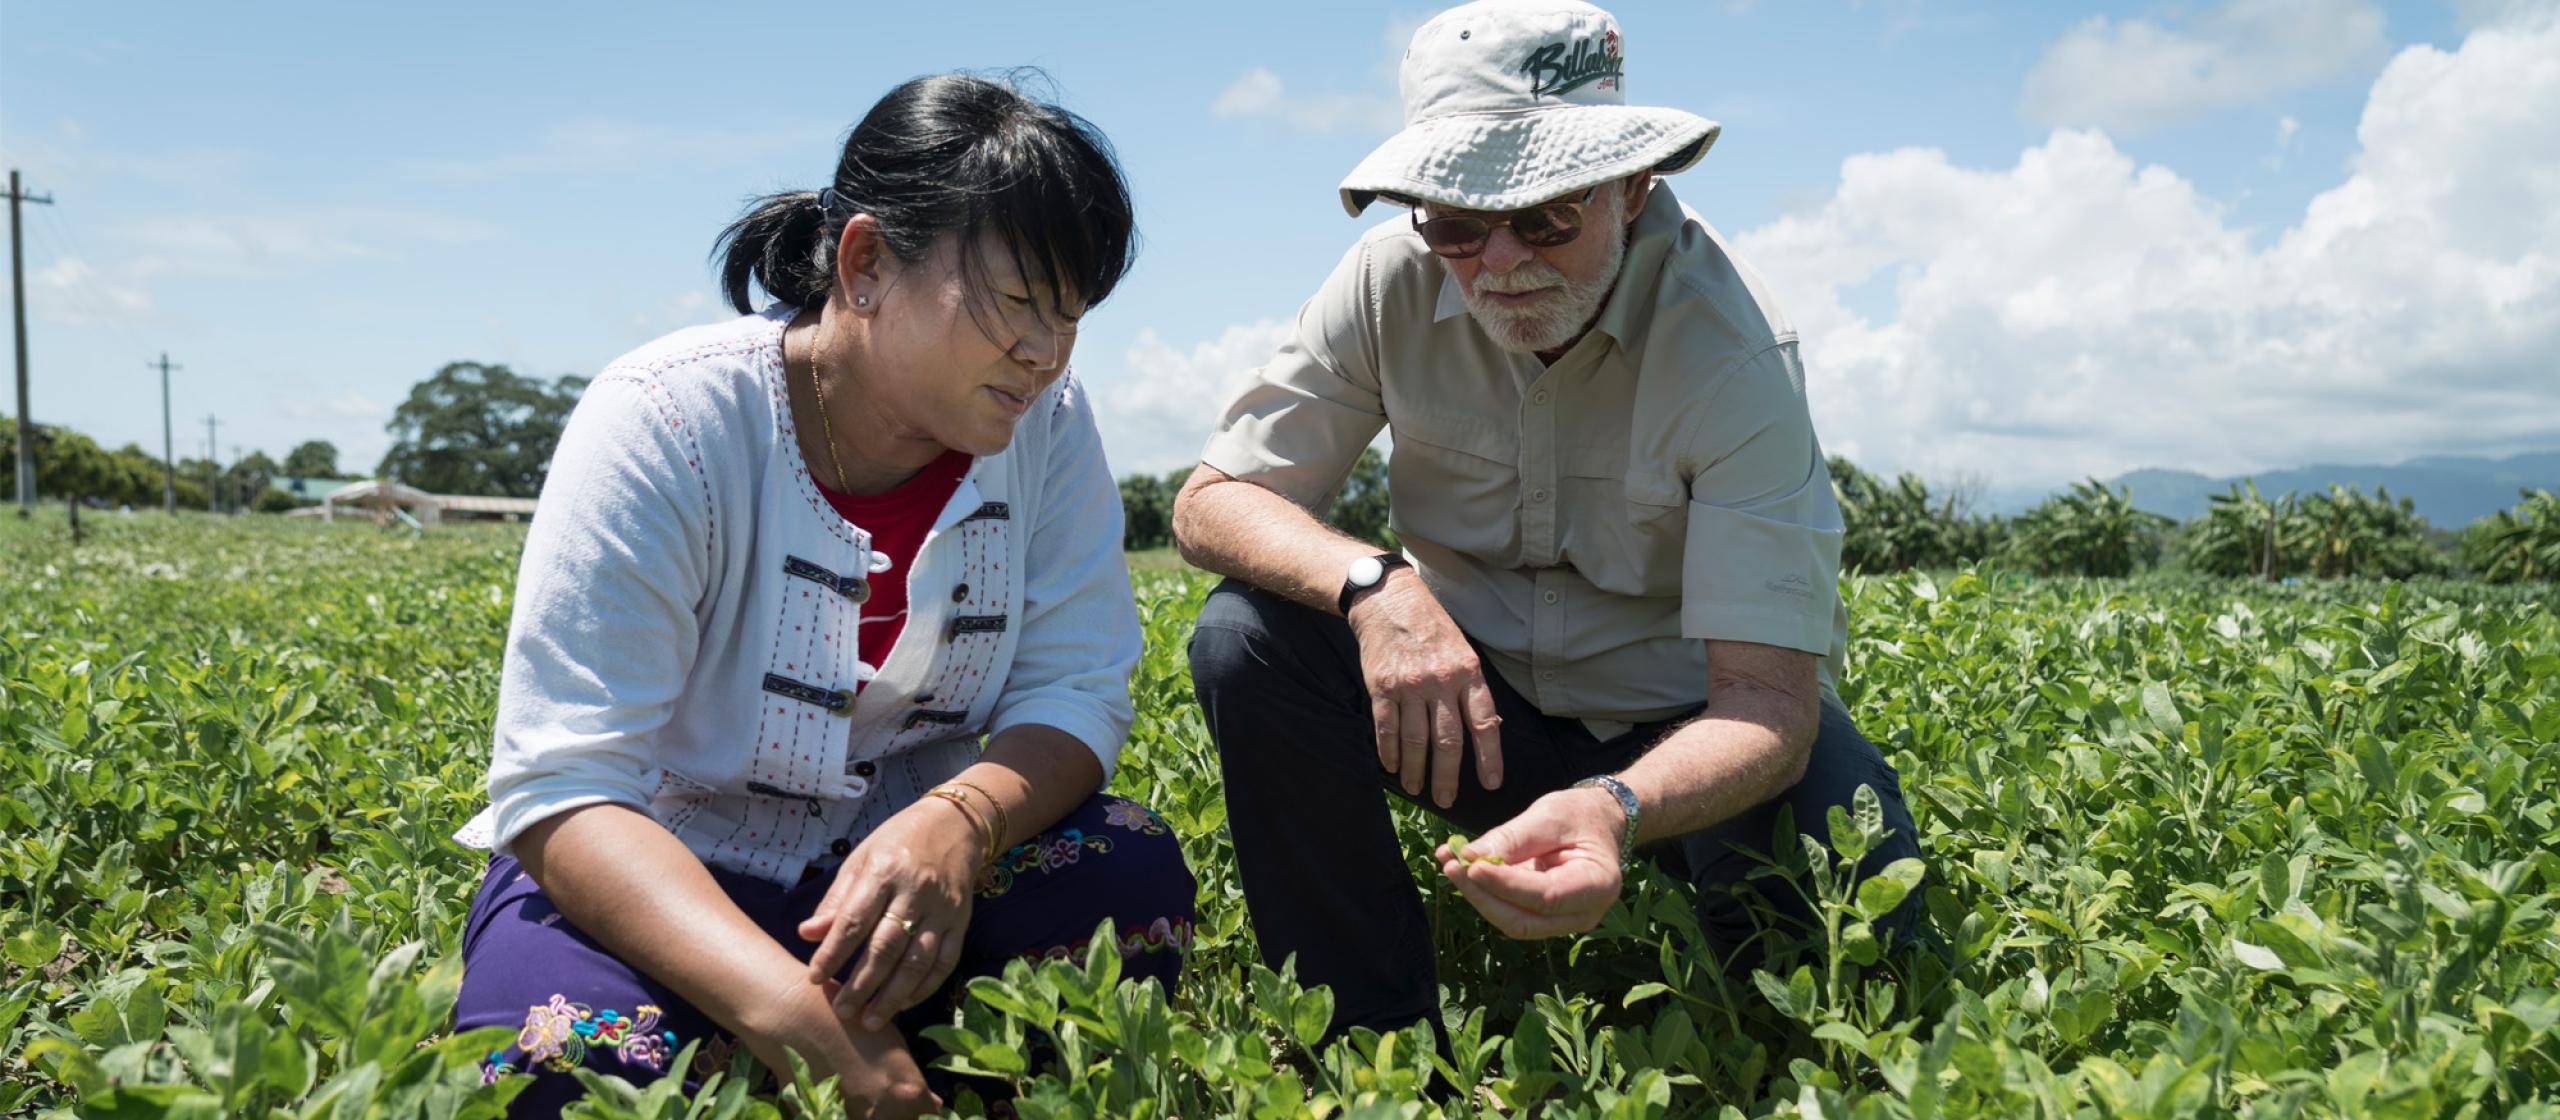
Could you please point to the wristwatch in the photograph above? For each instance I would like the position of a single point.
(1626, 804)
(1363, 574)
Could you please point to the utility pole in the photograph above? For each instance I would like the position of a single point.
(213, 469)
(18, 297)
(168, 440)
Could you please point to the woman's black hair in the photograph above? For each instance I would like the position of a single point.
(951, 153)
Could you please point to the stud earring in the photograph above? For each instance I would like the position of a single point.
(862, 301)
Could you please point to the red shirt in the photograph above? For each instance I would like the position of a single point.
(897, 520)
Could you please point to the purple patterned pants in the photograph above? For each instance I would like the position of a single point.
(572, 1003)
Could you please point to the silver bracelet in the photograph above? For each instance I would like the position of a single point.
(1626, 804)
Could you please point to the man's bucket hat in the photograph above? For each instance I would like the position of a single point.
(1514, 102)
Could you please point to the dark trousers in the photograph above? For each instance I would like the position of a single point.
(574, 1003)
(1281, 688)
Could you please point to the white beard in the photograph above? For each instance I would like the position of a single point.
(1557, 319)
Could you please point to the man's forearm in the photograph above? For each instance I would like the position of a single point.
(1751, 746)
(1226, 525)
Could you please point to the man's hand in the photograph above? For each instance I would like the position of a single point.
(1558, 865)
(1427, 695)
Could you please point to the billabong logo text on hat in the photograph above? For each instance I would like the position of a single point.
(1553, 71)
(1513, 102)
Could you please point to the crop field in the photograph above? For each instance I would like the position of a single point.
(2192, 848)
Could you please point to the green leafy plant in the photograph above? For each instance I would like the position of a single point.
(2191, 847)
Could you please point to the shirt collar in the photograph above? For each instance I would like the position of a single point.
(1628, 312)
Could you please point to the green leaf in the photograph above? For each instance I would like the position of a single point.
(1845, 1035)
(33, 946)
(1776, 992)
(2162, 710)
(1312, 1014)
(1644, 991)
(1880, 893)
(2256, 956)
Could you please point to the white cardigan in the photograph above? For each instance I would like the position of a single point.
(684, 630)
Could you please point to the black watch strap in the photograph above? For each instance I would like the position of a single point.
(1387, 562)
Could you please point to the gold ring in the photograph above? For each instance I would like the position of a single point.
(906, 924)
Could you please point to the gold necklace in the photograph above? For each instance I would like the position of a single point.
(826, 424)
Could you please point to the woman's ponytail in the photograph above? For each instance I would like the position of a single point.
(781, 242)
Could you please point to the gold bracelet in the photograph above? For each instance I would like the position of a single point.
(967, 810)
(1003, 825)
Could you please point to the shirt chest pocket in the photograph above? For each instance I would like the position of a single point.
(970, 633)
(1470, 470)
(1476, 437)
(807, 686)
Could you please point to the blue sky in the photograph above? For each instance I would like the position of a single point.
(2025, 242)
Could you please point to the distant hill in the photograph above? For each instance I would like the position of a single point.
(2450, 491)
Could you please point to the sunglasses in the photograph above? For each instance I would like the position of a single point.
(1545, 225)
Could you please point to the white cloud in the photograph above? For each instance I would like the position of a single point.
(110, 289)
(77, 293)
(1157, 415)
(2483, 13)
(344, 406)
(238, 244)
(1258, 93)
(596, 144)
(2078, 313)
(2138, 75)
(676, 312)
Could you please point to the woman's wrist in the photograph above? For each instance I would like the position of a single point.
(787, 1011)
(952, 816)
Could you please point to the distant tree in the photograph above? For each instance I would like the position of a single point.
(479, 429)
(1896, 526)
(1361, 509)
(2516, 545)
(248, 480)
(316, 458)
(2345, 532)
(69, 466)
(2091, 530)
(1146, 512)
(2245, 534)
(196, 480)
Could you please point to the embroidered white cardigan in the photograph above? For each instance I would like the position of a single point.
(684, 631)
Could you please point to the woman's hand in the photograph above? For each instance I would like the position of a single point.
(878, 1076)
(902, 901)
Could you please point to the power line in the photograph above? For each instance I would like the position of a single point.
(77, 289)
(18, 301)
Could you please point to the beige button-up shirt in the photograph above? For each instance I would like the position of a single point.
(1587, 522)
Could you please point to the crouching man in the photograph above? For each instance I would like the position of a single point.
(1614, 622)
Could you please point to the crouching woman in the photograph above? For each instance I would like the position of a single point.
(822, 636)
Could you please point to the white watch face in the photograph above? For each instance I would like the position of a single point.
(1365, 571)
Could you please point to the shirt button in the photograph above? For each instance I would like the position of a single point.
(1541, 398)
(841, 847)
(865, 768)
(1538, 495)
(960, 594)
(1546, 674)
(1550, 597)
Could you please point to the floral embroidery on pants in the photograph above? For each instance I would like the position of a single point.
(558, 1035)
(1044, 854)
(1160, 935)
